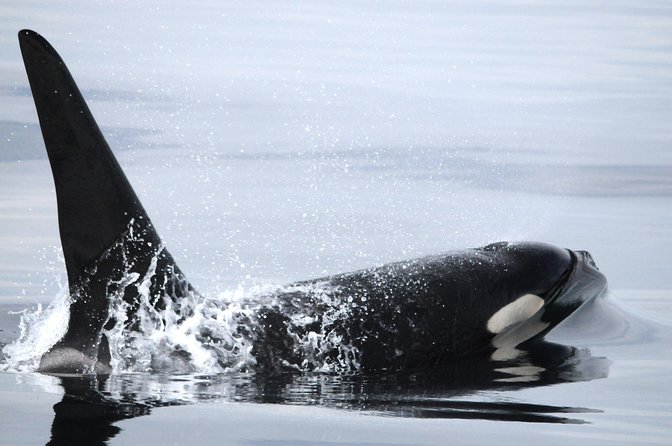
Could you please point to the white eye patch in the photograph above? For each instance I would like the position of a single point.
(517, 311)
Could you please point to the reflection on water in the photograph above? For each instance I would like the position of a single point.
(92, 405)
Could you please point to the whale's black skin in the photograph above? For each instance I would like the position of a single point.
(425, 311)
(402, 315)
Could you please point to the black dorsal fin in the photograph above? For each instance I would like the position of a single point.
(95, 200)
(111, 249)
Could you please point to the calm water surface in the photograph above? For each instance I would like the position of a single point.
(273, 142)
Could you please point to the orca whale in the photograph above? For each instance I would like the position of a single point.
(404, 315)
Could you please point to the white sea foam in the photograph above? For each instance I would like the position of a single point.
(40, 330)
(196, 334)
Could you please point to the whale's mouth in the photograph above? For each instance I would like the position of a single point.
(584, 283)
(579, 284)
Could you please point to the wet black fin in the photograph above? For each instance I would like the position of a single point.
(107, 237)
(95, 200)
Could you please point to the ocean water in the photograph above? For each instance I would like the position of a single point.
(274, 141)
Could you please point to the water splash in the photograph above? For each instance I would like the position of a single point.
(40, 330)
(154, 321)
(223, 334)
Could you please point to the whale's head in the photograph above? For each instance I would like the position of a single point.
(550, 283)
